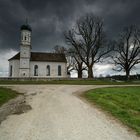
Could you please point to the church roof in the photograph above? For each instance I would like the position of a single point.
(39, 56)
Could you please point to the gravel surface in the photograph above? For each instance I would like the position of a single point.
(14, 106)
(57, 114)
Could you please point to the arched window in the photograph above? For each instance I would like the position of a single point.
(59, 70)
(48, 70)
(11, 69)
(36, 70)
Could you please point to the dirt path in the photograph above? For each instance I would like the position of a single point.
(57, 114)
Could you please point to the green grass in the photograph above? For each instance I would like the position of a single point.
(6, 94)
(121, 102)
(68, 82)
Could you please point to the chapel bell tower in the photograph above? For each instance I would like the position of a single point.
(25, 50)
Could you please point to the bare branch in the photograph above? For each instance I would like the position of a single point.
(128, 50)
(88, 40)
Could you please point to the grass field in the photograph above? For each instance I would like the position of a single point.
(6, 94)
(69, 82)
(121, 102)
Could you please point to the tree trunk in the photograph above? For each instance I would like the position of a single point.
(127, 75)
(80, 69)
(90, 71)
(79, 74)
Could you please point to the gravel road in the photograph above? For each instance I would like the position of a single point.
(58, 114)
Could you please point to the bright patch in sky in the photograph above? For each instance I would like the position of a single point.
(103, 69)
(4, 64)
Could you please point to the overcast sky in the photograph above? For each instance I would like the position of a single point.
(50, 18)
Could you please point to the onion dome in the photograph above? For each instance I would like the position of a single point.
(26, 27)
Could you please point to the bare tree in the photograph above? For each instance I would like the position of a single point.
(88, 40)
(59, 49)
(127, 52)
(75, 63)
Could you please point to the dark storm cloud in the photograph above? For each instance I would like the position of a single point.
(120, 13)
(49, 18)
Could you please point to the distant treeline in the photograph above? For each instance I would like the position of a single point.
(123, 77)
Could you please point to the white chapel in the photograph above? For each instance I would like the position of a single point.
(36, 64)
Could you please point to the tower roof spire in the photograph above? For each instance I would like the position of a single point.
(26, 26)
(26, 21)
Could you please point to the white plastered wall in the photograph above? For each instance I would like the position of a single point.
(53, 69)
(15, 67)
